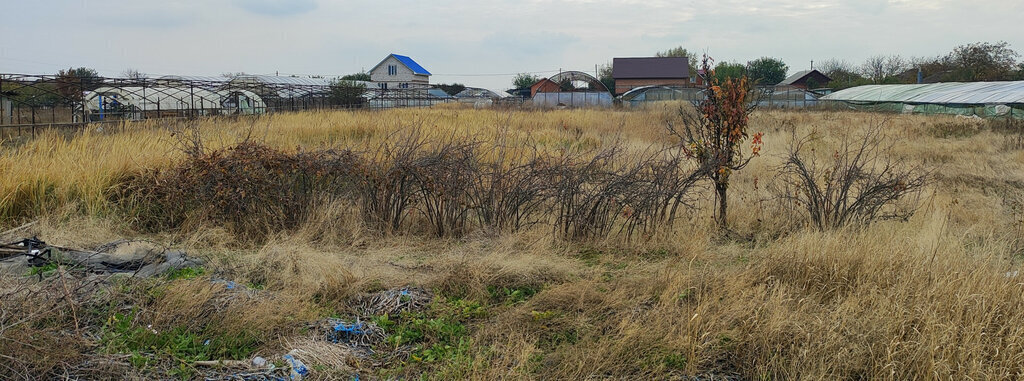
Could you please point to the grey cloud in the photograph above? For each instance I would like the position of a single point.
(529, 43)
(276, 7)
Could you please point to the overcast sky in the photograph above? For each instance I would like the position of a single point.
(476, 42)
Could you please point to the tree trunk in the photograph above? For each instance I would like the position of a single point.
(721, 188)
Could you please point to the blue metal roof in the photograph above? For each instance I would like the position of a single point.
(415, 67)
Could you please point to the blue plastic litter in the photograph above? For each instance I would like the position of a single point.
(345, 332)
(298, 368)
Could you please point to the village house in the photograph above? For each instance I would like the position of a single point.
(399, 72)
(634, 72)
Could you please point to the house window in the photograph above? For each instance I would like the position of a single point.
(392, 70)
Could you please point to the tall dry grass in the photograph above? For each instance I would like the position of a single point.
(935, 297)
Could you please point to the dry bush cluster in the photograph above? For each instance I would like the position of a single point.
(452, 184)
(251, 188)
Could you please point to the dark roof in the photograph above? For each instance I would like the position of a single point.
(435, 92)
(801, 75)
(651, 67)
(408, 62)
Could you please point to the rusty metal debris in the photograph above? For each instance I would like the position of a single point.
(134, 258)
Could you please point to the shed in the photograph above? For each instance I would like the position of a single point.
(806, 79)
(633, 72)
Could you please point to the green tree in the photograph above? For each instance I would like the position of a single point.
(71, 84)
(726, 70)
(361, 76)
(604, 74)
(452, 89)
(983, 61)
(679, 51)
(524, 80)
(347, 93)
(767, 71)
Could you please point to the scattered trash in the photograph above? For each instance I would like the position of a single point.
(396, 300)
(1012, 274)
(259, 369)
(357, 334)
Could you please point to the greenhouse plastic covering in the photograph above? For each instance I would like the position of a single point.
(970, 93)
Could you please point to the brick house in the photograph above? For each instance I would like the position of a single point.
(544, 85)
(633, 72)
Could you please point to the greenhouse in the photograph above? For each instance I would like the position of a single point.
(656, 93)
(983, 99)
(149, 102)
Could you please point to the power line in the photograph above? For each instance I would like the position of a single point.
(443, 74)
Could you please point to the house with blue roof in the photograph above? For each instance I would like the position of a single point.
(399, 72)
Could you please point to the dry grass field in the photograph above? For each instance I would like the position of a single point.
(933, 296)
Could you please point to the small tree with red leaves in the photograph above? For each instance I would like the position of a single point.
(714, 132)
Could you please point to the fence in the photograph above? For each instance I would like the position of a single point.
(29, 102)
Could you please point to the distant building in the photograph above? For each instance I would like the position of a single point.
(806, 79)
(544, 85)
(399, 72)
(634, 72)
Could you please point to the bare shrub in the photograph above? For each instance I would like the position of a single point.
(664, 182)
(583, 192)
(640, 193)
(510, 190)
(386, 181)
(860, 183)
(444, 176)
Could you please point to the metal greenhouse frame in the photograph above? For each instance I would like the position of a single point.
(983, 99)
